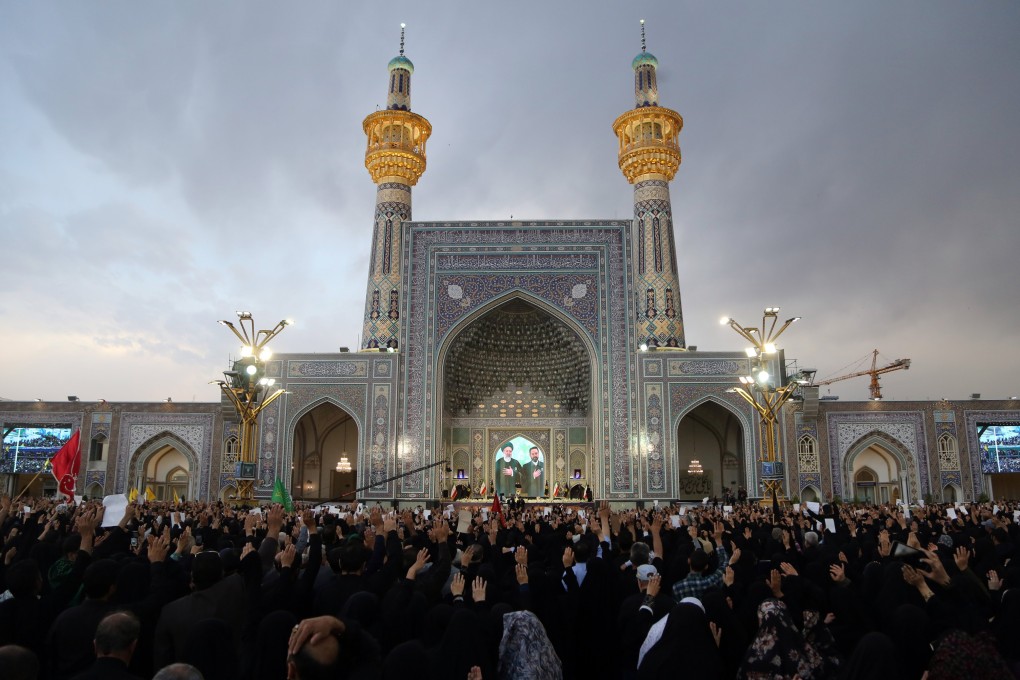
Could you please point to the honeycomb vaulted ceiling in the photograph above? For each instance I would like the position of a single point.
(517, 361)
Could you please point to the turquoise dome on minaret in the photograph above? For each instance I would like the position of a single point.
(405, 63)
(643, 59)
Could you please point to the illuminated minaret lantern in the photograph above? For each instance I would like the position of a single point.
(649, 157)
(395, 159)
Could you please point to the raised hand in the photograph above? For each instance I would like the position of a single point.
(716, 632)
(521, 571)
(568, 558)
(994, 582)
(457, 585)
(654, 584)
(837, 573)
(419, 563)
(962, 558)
(287, 556)
(938, 572)
(788, 569)
(159, 547)
(914, 577)
(478, 589)
(776, 584)
(314, 630)
(729, 576)
(274, 520)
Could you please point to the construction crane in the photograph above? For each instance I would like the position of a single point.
(874, 372)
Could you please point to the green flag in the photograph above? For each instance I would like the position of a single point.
(281, 496)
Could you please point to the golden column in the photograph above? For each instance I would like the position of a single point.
(649, 156)
(395, 159)
(767, 392)
(249, 391)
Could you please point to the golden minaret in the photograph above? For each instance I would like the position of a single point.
(395, 159)
(649, 157)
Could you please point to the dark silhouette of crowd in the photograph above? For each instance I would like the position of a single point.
(561, 590)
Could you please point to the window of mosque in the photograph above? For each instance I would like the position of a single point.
(807, 454)
(97, 451)
(949, 455)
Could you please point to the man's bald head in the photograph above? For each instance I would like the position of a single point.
(319, 661)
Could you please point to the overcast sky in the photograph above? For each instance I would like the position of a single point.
(163, 164)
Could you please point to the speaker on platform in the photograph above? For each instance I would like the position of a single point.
(640, 505)
(394, 504)
(446, 493)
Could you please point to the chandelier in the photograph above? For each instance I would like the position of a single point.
(343, 465)
(695, 468)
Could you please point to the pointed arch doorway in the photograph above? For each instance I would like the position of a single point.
(710, 452)
(324, 462)
(519, 367)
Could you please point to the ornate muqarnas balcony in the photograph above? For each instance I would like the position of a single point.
(649, 143)
(396, 146)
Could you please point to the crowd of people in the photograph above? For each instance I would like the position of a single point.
(202, 590)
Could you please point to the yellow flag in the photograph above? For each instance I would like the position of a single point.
(133, 494)
(149, 496)
(177, 499)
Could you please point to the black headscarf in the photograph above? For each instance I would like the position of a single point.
(685, 647)
(873, 659)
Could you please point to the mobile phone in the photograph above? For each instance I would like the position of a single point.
(911, 556)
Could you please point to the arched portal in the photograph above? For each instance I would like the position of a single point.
(519, 369)
(809, 494)
(325, 457)
(876, 475)
(167, 472)
(165, 464)
(710, 452)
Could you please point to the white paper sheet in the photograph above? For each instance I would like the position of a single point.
(116, 506)
(830, 525)
(814, 507)
(675, 521)
(464, 522)
(951, 513)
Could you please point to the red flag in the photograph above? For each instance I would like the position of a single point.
(453, 496)
(497, 509)
(483, 491)
(65, 465)
(556, 491)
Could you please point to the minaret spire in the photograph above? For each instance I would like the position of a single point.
(649, 157)
(395, 159)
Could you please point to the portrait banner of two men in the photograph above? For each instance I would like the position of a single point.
(513, 476)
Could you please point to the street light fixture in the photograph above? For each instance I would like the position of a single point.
(250, 391)
(760, 390)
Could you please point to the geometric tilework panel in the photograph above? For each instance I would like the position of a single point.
(904, 434)
(578, 269)
(193, 429)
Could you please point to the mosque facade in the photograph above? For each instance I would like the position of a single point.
(564, 336)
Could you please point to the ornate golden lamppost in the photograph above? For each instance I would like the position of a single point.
(767, 393)
(250, 391)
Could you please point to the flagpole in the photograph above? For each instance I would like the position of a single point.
(30, 483)
(387, 480)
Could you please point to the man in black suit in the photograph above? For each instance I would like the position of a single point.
(115, 641)
(534, 475)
